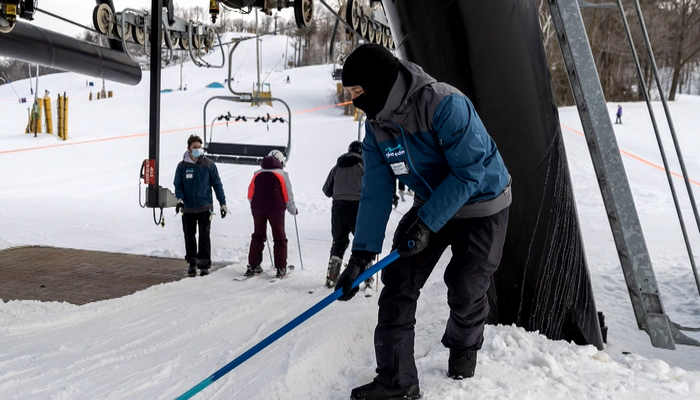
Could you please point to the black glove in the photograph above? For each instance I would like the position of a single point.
(359, 261)
(224, 211)
(180, 205)
(415, 240)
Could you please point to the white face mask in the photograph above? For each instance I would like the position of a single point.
(196, 153)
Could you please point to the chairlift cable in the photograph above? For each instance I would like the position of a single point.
(240, 66)
(273, 70)
(9, 82)
(68, 21)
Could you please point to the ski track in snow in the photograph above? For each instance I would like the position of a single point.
(157, 343)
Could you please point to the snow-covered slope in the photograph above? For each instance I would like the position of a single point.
(157, 343)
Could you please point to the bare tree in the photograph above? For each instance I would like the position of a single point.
(685, 17)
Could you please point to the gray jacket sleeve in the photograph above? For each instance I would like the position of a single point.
(291, 207)
(328, 186)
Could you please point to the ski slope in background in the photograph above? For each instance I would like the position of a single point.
(157, 343)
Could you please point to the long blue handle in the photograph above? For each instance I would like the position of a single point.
(288, 327)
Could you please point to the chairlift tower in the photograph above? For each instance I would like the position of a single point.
(612, 179)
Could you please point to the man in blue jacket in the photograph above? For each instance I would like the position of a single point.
(195, 176)
(427, 135)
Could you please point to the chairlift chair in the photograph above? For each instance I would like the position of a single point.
(240, 153)
(237, 153)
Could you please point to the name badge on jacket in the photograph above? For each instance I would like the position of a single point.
(400, 168)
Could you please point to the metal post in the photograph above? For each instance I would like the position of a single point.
(257, 50)
(36, 88)
(671, 127)
(36, 102)
(297, 53)
(154, 104)
(331, 49)
(609, 168)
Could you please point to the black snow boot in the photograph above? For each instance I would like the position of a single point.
(254, 270)
(333, 271)
(203, 266)
(376, 391)
(192, 270)
(461, 364)
(281, 273)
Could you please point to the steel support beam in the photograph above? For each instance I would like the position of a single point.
(35, 45)
(154, 99)
(610, 171)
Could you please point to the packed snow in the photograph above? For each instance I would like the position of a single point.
(157, 343)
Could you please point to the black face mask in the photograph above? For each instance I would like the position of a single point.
(363, 103)
(373, 103)
(370, 106)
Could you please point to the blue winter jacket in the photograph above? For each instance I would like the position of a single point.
(429, 137)
(193, 184)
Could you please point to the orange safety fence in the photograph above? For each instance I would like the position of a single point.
(626, 153)
(640, 159)
(162, 132)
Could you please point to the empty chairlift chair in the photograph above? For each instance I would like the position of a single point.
(241, 153)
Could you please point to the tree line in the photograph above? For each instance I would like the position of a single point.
(673, 26)
(674, 33)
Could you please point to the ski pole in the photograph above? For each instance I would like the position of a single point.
(298, 242)
(393, 256)
(272, 260)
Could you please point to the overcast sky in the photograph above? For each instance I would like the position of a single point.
(81, 11)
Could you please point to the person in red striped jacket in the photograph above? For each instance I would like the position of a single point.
(270, 194)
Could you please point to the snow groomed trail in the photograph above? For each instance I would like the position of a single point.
(160, 342)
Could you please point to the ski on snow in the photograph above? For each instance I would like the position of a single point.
(290, 269)
(267, 273)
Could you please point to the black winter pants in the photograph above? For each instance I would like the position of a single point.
(343, 218)
(190, 221)
(476, 244)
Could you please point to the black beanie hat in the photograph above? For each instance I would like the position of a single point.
(375, 69)
(369, 66)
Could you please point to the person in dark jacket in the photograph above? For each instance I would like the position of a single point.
(344, 184)
(195, 176)
(270, 194)
(618, 114)
(427, 135)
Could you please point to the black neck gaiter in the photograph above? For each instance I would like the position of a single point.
(375, 96)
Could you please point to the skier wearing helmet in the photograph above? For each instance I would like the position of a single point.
(270, 194)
